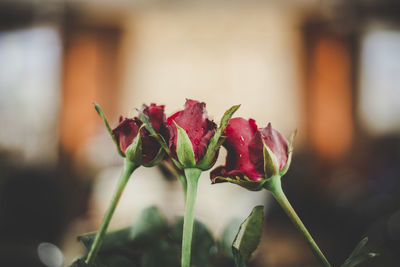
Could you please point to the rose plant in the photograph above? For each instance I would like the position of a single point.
(188, 142)
(138, 147)
(254, 155)
(257, 158)
(193, 145)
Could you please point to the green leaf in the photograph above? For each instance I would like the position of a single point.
(150, 235)
(101, 114)
(203, 243)
(216, 141)
(150, 224)
(79, 263)
(290, 152)
(228, 236)
(271, 166)
(134, 150)
(359, 255)
(360, 258)
(129, 246)
(184, 148)
(114, 260)
(248, 237)
(162, 253)
(359, 247)
(111, 240)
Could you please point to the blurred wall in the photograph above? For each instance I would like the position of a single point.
(223, 55)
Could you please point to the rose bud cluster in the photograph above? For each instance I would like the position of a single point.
(254, 154)
(256, 159)
(191, 139)
(142, 149)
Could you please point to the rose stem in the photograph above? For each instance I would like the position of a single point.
(192, 178)
(129, 167)
(182, 179)
(276, 189)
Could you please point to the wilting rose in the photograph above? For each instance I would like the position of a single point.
(275, 141)
(156, 116)
(128, 129)
(245, 158)
(199, 128)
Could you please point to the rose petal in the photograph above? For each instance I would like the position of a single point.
(239, 134)
(157, 119)
(126, 131)
(194, 120)
(278, 144)
(156, 115)
(150, 146)
(275, 141)
(256, 152)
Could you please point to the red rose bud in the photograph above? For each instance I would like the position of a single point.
(143, 148)
(254, 155)
(194, 140)
(156, 116)
(190, 131)
(126, 131)
(239, 133)
(269, 151)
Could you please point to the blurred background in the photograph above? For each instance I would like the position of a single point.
(331, 69)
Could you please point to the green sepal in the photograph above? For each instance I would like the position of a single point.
(157, 159)
(216, 141)
(271, 166)
(103, 116)
(149, 127)
(184, 148)
(134, 151)
(146, 121)
(245, 182)
(358, 255)
(177, 163)
(248, 237)
(290, 152)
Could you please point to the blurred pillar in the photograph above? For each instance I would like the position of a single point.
(90, 75)
(330, 92)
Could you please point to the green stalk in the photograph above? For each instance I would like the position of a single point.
(182, 179)
(192, 178)
(129, 167)
(181, 176)
(276, 189)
